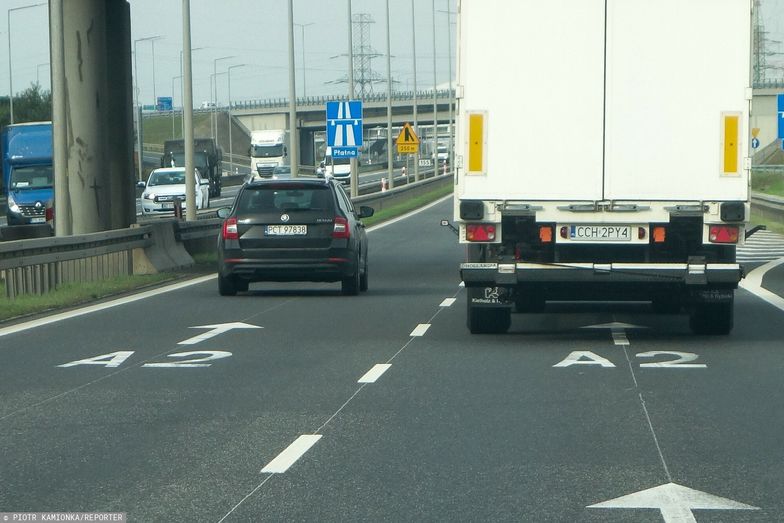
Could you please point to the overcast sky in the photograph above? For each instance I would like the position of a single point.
(255, 32)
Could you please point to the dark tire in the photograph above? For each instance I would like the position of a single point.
(529, 302)
(226, 286)
(241, 285)
(350, 285)
(495, 320)
(363, 278)
(715, 319)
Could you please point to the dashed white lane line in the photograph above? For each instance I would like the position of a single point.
(373, 374)
(293, 452)
(448, 302)
(619, 338)
(420, 330)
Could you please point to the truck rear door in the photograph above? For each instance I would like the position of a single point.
(542, 92)
(676, 107)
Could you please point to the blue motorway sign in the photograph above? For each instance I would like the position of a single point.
(780, 100)
(164, 103)
(344, 124)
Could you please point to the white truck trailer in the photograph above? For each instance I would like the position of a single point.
(269, 148)
(602, 154)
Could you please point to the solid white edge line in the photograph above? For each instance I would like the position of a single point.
(448, 302)
(101, 306)
(410, 214)
(753, 284)
(420, 329)
(373, 374)
(293, 452)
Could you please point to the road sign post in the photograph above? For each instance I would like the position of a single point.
(780, 103)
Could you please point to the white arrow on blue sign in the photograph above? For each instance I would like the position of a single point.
(344, 124)
(780, 101)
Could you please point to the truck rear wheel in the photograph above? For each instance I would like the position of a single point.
(712, 318)
(489, 320)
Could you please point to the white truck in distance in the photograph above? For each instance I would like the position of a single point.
(268, 149)
(602, 155)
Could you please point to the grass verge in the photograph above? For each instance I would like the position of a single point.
(407, 206)
(757, 218)
(768, 183)
(71, 295)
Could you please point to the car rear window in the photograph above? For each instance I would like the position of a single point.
(285, 199)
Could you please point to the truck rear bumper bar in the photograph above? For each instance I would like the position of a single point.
(481, 274)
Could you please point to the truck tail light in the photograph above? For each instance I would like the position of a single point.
(564, 232)
(340, 228)
(659, 234)
(480, 232)
(545, 234)
(723, 234)
(641, 232)
(230, 229)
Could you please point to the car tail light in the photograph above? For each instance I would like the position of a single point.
(480, 232)
(723, 234)
(545, 234)
(659, 234)
(340, 228)
(230, 229)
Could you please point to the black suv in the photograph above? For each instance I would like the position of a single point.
(301, 229)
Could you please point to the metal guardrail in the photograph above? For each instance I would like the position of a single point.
(38, 265)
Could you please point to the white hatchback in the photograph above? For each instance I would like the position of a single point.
(164, 186)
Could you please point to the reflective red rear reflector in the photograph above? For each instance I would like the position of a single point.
(230, 229)
(340, 228)
(480, 232)
(723, 234)
(659, 234)
(545, 234)
(564, 232)
(641, 232)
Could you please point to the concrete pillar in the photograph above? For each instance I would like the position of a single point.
(93, 97)
(122, 190)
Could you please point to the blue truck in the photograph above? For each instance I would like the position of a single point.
(28, 174)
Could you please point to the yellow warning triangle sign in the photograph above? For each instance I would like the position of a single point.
(407, 136)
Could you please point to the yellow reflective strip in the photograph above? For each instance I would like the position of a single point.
(476, 137)
(731, 124)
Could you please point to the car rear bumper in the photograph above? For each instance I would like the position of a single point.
(325, 270)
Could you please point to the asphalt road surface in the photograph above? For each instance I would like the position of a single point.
(294, 403)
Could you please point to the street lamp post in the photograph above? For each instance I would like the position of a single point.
(390, 162)
(10, 69)
(182, 87)
(449, 14)
(214, 81)
(138, 107)
(38, 71)
(435, 97)
(154, 94)
(416, 102)
(231, 150)
(174, 78)
(302, 27)
(215, 96)
(293, 135)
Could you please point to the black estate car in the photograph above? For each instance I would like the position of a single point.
(299, 229)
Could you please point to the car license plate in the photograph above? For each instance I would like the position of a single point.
(38, 220)
(286, 230)
(600, 233)
(167, 205)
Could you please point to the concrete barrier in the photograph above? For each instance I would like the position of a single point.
(165, 254)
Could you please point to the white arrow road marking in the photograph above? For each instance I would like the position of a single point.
(216, 330)
(373, 374)
(293, 452)
(674, 501)
(753, 284)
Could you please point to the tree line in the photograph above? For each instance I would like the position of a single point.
(34, 104)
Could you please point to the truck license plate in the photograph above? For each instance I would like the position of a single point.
(600, 232)
(286, 230)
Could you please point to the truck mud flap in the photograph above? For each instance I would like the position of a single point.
(488, 297)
